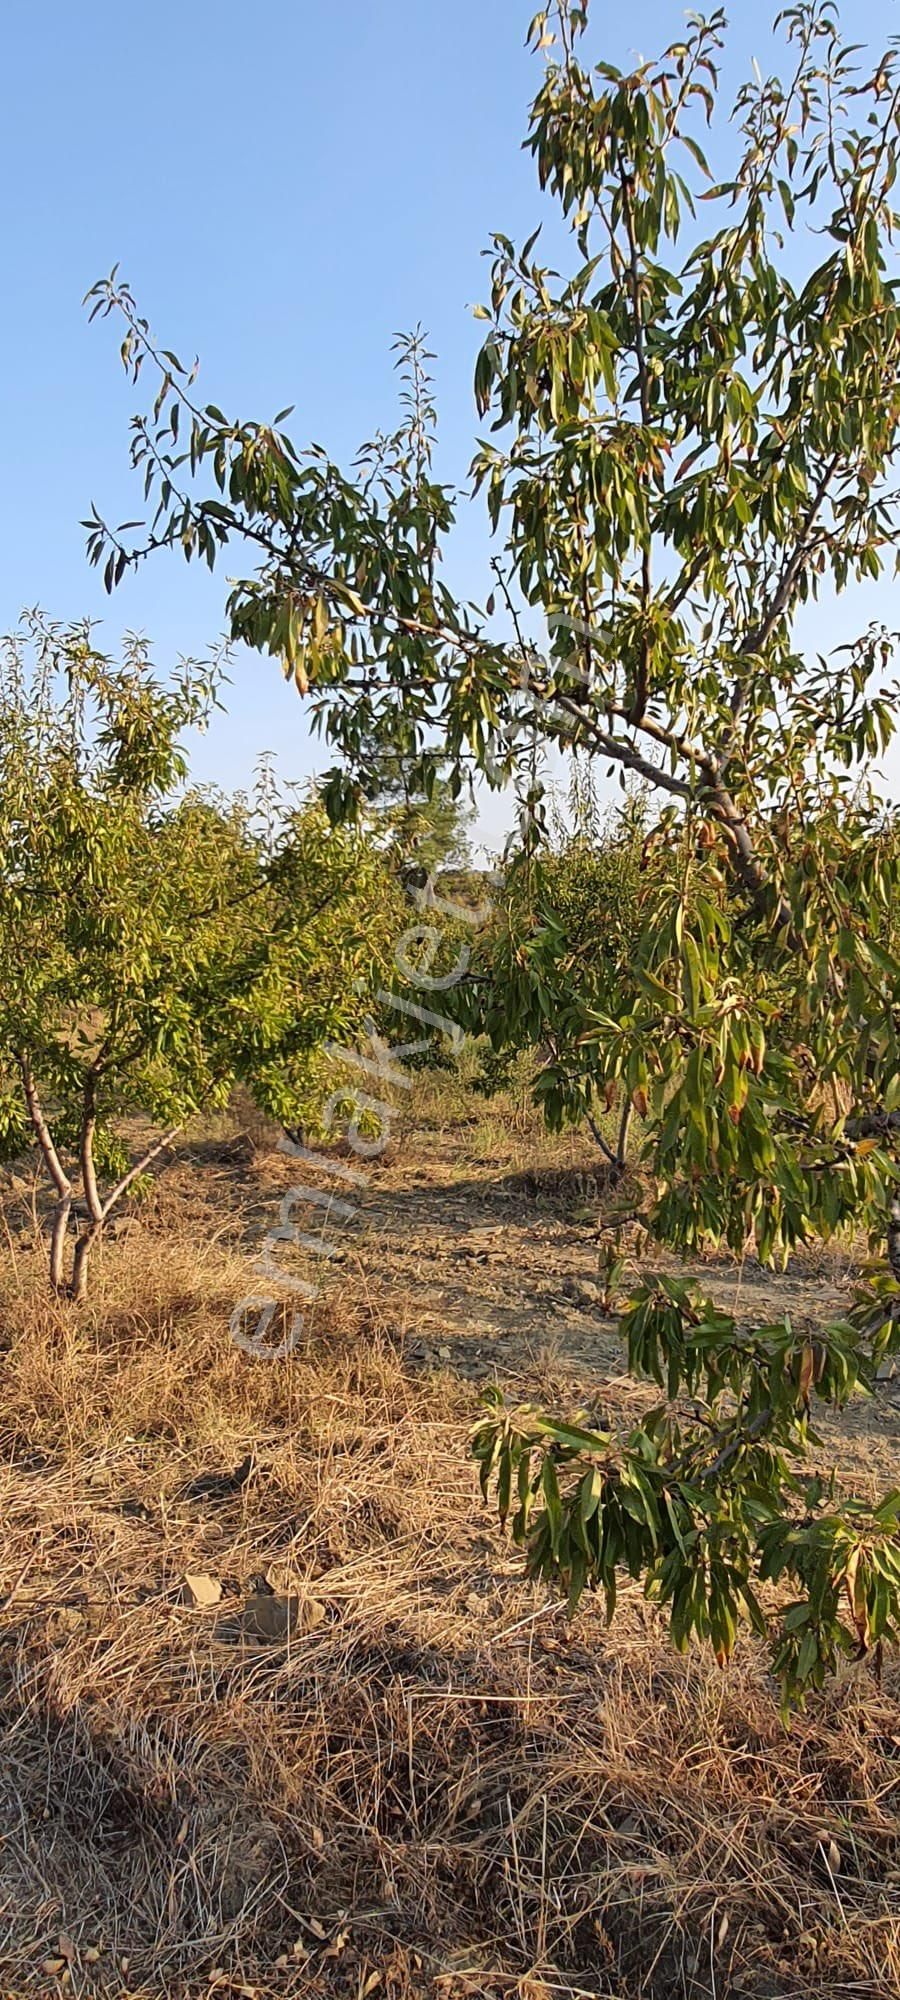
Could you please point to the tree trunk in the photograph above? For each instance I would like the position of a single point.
(84, 1246)
(615, 1160)
(58, 1243)
(88, 1175)
(55, 1170)
(98, 1210)
(893, 1239)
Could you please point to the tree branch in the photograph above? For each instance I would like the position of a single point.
(124, 1184)
(622, 753)
(761, 632)
(737, 1442)
(642, 678)
(52, 1160)
(605, 1148)
(86, 1148)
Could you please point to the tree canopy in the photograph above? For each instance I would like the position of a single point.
(692, 432)
(157, 944)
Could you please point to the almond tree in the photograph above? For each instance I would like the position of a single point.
(156, 945)
(693, 435)
(556, 963)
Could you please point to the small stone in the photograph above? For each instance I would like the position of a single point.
(201, 1590)
(270, 1617)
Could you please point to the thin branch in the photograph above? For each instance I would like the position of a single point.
(138, 1168)
(605, 1149)
(761, 632)
(642, 681)
(619, 752)
(669, 738)
(686, 581)
(737, 1442)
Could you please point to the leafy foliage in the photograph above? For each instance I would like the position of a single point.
(555, 962)
(422, 824)
(156, 946)
(708, 1506)
(631, 964)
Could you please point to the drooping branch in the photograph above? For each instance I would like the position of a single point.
(620, 752)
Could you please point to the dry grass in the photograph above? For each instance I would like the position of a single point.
(440, 1788)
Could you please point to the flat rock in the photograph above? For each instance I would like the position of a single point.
(267, 1616)
(201, 1589)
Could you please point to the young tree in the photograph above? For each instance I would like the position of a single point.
(422, 823)
(694, 432)
(155, 947)
(556, 958)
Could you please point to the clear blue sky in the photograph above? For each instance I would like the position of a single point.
(285, 186)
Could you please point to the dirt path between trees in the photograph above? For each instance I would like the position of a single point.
(495, 1274)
